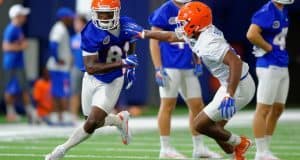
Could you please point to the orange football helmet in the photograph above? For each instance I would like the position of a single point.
(111, 10)
(193, 17)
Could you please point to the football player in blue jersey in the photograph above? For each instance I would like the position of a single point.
(268, 33)
(107, 50)
(177, 71)
(14, 44)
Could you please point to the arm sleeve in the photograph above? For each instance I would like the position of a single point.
(262, 19)
(57, 33)
(85, 53)
(157, 19)
(213, 48)
(53, 47)
(88, 42)
(10, 35)
(218, 50)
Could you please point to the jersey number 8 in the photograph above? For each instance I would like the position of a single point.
(115, 53)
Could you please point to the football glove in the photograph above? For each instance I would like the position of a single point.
(258, 52)
(133, 30)
(131, 61)
(161, 77)
(198, 70)
(130, 77)
(227, 107)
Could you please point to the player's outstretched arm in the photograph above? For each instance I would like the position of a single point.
(161, 35)
(137, 31)
(255, 37)
(235, 70)
(93, 66)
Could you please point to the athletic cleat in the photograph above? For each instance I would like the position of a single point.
(12, 118)
(56, 154)
(259, 157)
(171, 153)
(266, 156)
(124, 128)
(241, 149)
(204, 152)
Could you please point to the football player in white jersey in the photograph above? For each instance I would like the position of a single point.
(177, 72)
(237, 86)
(59, 65)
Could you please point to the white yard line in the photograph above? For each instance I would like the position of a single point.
(79, 156)
(113, 157)
(136, 143)
(134, 150)
(10, 132)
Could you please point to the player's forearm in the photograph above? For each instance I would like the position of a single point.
(235, 65)
(258, 41)
(235, 72)
(155, 53)
(255, 37)
(196, 59)
(101, 68)
(14, 47)
(161, 35)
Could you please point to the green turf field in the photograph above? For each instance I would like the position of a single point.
(144, 146)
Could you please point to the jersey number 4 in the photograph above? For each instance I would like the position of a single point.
(280, 39)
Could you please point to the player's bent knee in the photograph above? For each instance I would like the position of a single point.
(262, 110)
(92, 124)
(277, 110)
(95, 119)
(199, 123)
(166, 108)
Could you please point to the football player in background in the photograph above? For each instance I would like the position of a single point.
(268, 33)
(59, 65)
(76, 73)
(105, 46)
(14, 44)
(237, 86)
(177, 71)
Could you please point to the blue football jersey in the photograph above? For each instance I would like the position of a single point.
(274, 24)
(13, 59)
(109, 47)
(76, 51)
(173, 55)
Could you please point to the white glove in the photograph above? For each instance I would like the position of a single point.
(258, 52)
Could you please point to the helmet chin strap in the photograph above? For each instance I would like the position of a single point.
(203, 29)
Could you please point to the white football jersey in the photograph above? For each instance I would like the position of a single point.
(59, 33)
(212, 47)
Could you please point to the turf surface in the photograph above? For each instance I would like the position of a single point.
(144, 146)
